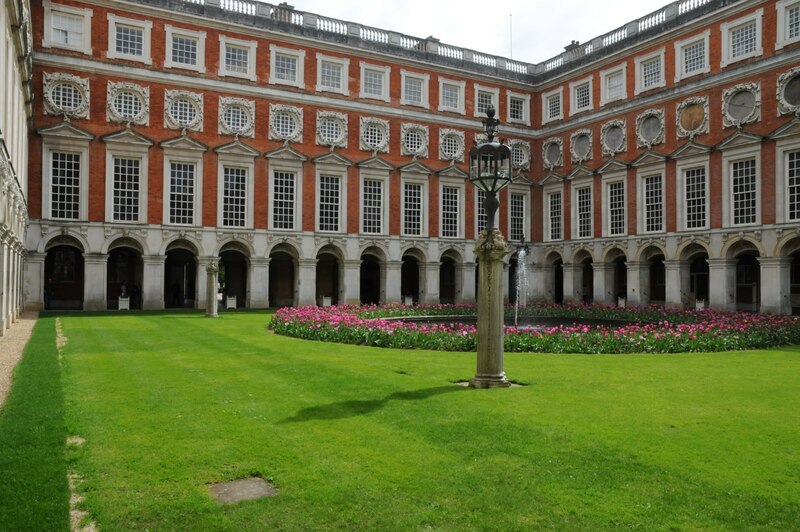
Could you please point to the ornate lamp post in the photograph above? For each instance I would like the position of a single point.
(490, 171)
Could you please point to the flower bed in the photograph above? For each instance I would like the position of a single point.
(649, 329)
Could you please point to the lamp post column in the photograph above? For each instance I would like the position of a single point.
(211, 289)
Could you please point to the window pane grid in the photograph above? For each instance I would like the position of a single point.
(651, 72)
(743, 186)
(793, 183)
(181, 196)
(516, 108)
(450, 96)
(67, 29)
(695, 182)
(616, 208)
(129, 40)
(793, 20)
(654, 210)
(126, 189)
(615, 85)
(555, 216)
(582, 96)
(584, 212)
(485, 100)
(283, 200)
(234, 196)
(412, 209)
(694, 57)
(65, 186)
(743, 39)
(329, 203)
(373, 83)
(286, 67)
(413, 90)
(517, 208)
(373, 206)
(554, 106)
(331, 75)
(450, 203)
(237, 59)
(184, 50)
(481, 214)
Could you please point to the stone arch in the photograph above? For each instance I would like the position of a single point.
(63, 239)
(736, 246)
(747, 274)
(649, 250)
(613, 253)
(181, 273)
(129, 240)
(686, 250)
(787, 246)
(452, 253)
(234, 272)
(581, 254)
(449, 280)
(329, 275)
(235, 244)
(331, 249)
(375, 250)
(285, 247)
(181, 242)
(372, 274)
(283, 274)
(553, 257)
(124, 271)
(414, 251)
(63, 272)
(411, 275)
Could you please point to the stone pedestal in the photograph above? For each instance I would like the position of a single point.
(430, 276)
(211, 289)
(775, 285)
(94, 284)
(572, 283)
(391, 286)
(153, 282)
(638, 283)
(490, 249)
(466, 272)
(259, 283)
(676, 288)
(352, 282)
(722, 283)
(307, 283)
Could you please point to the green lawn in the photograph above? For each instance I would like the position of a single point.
(366, 438)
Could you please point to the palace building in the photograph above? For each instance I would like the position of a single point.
(321, 161)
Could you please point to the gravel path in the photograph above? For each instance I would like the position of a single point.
(11, 346)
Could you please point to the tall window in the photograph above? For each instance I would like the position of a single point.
(330, 75)
(184, 50)
(373, 206)
(793, 184)
(237, 59)
(517, 229)
(481, 212)
(451, 96)
(653, 204)
(234, 196)
(412, 209)
(67, 29)
(616, 208)
(374, 82)
(615, 85)
(127, 175)
(65, 185)
(516, 108)
(127, 38)
(554, 201)
(793, 21)
(743, 187)
(484, 101)
(553, 106)
(743, 39)
(695, 197)
(450, 204)
(329, 198)
(181, 193)
(583, 96)
(694, 57)
(286, 67)
(651, 73)
(584, 212)
(283, 200)
(413, 90)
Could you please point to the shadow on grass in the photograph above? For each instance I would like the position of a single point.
(345, 409)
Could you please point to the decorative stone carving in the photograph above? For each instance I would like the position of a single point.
(128, 103)
(580, 145)
(285, 123)
(183, 110)
(237, 117)
(451, 145)
(414, 140)
(374, 135)
(788, 92)
(520, 154)
(614, 137)
(332, 129)
(692, 117)
(553, 152)
(741, 104)
(65, 94)
(650, 128)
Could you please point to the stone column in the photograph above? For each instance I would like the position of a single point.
(431, 290)
(572, 285)
(200, 292)
(537, 281)
(95, 268)
(391, 281)
(211, 289)
(11, 289)
(548, 281)
(603, 283)
(490, 249)
(5, 252)
(153, 282)
(466, 272)
(352, 282)
(34, 280)
(506, 283)
(17, 284)
(259, 282)
(675, 289)
(775, 285)
(307, 282)
(638, 283)
(722, 283)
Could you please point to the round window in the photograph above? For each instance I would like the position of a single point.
(741, 105)
(66, 96)
(414, 141)
(552, 154)
(236, 118)
(651, 128)
(127, 104)
(791, 92)
(330, 131)
(614, 138)
(451, 147)
(692, 117)
(284, 124)
(183, 111)
(519, 155)
(373, 136)
(582, 145)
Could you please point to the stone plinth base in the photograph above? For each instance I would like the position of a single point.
(489, 381)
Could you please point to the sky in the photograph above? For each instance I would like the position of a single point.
(530, 31)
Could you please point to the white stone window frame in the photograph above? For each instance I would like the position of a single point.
(460, 185)
(784, 107)
(444, 133)
(526, 108)
(251, 46)
(298, 55)
(113, 89)
(249, 107)
(782, 37)
(782, 148)
(195, 98)
(727, 95)
(752, 151)
(525, 146)
(178, 155)
(81, 147)
(726, 28)
(494, 91)
(639, 61)
(336, 170)
(367, 121)
(375, 175)
(275, 110)
(703, 127)
(199, 36)
(623, 125)
(680, 65)
(461, 109)
(574, 155)
(426, 81)
(344, 64)
(642, 142)
(683, 165)
(642, 174)
(385, 71)
(342, 119)
(575, 185)
(549, 190)
(288, 166)
(235, 161)
(573, 100)
(51, 80)
(147, 29)
(607, 181)
(557, 92)
(423, 130)
(553, 164)
(417, 179)
(526, 211)
(604, 74)
(86, 13)
(127, 151)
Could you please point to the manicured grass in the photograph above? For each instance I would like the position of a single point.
(367, 438)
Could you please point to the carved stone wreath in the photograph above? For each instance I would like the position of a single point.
(645, 136)
(115, 91)
(57, 80)
(192, 98)
(606, 141)
(554, 147)
(729, 120)
(408, 130)
(523, 162)
(786, 107)
(249, 108)
(451, 145)
(325, 118)
(686, 130)
(580, 153)
(290, 114)
(369, 126)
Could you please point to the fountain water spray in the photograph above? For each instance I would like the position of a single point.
(522, 280)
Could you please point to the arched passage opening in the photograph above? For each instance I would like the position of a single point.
(409, 278)
(328, 277)
(748, 280)
(618, 285)
(233, 273)
(554, 279)
(63, 274)
(124, 273)
(794, 282)
(370, 277)
(586, 277)
(282, 277)
(655, 285)
(180, 275)
(447, 280)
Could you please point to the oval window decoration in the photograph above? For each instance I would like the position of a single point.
(66, 96)
(285, 123)
(520, 154)
(373, 136)
(236, 118)
(128, 105)
(613, 137)
(331, 128)
(415, 140)
(552, 153)
(789, 92)
(650, 128)
(183, 111)
(741, 104)
(451, 145)
(692, 117)
(581, 146)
